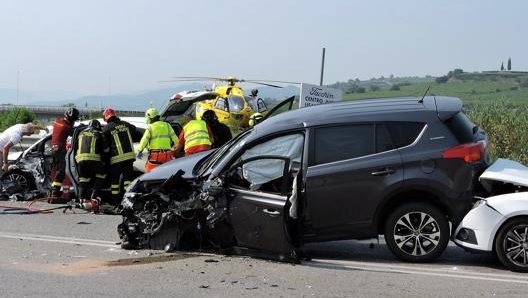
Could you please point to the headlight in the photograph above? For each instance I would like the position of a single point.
(128, 200)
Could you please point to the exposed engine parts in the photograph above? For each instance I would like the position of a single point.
(27, 179)
(175, 215)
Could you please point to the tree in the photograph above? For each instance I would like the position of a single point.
(20, 115)
(502, 66)
(509, 64)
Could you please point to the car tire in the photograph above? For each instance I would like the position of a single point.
(417, 232)
(18, 179)
(167, 238)
(511, 244)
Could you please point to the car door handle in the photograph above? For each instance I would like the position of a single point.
(384, 172)
(271, 211)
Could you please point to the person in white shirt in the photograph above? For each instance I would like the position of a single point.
(13, 135)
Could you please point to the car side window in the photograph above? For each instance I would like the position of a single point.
(343, 142)
(257, 173)
(404, 133)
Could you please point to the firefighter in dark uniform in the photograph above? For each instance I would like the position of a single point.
(221, 132)
(119, 134)
(90, 156)
(62, 129)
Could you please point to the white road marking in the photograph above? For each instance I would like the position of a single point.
(69, 240)
(457, 272)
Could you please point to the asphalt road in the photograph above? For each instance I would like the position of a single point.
(76, 255)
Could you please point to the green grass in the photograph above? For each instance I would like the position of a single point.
(496, 101)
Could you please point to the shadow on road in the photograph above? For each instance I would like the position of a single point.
(365, 251)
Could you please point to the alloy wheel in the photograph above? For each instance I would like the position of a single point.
(416, 233)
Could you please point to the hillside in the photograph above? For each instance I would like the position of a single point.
(470, 87)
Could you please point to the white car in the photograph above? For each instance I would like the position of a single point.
(499, 223)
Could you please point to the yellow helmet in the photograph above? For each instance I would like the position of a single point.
(255, 118)
(150, 114)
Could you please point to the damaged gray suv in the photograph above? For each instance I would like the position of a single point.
(405, 168)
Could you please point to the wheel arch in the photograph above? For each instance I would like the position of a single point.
(407, 197)
(507, 221)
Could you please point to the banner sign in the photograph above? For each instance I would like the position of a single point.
(312, 95)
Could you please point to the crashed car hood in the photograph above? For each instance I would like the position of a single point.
(504, 170)
(186, 164)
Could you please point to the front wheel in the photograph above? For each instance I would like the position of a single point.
(511, 244)
(417, 232)
(17, 181)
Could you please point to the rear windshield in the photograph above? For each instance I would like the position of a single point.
(462, 128)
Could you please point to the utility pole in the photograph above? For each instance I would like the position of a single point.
(18, 79)
(109, 86)
(322, 68)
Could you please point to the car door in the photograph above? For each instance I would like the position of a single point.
(259, 187)
(351, 168)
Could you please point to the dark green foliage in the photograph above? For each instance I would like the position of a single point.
(442, 79)
(509, 64)
(505, 123)
(20, 115)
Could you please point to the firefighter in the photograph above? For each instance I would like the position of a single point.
(62, 129)
(90, 153)
(196, 136)
(221, 132)
(118, 135)
(159, 138)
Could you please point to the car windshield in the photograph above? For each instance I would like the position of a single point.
(236, 103)
(212, 161)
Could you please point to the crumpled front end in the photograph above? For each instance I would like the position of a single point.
(171, 215)
(27, 179)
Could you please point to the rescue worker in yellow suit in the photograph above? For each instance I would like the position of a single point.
(196, 136)
(159, 138)
(90, 155)
(118, 134)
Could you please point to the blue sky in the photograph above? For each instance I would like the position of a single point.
(126, 46)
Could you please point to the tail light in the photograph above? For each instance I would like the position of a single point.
(470, 152)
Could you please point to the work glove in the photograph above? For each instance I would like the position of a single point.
(139, 155)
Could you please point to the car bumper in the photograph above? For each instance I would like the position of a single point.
(477, 229)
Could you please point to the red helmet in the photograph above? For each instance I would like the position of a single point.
(108, 113)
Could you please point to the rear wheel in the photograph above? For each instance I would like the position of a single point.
(417, 232)
(511, 244)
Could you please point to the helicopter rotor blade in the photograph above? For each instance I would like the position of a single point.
(272, 81)
(265, 84)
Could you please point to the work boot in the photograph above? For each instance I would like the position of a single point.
(55, 196)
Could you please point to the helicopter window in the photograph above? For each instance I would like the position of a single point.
(236, 103)
(221, 104)
(252, 102)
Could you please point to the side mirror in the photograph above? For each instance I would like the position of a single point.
(295, 168)
(216, 186)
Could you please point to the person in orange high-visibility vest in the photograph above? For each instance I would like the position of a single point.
(196, 136)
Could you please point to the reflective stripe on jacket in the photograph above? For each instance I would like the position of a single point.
(121, 146)
(158, 135)
(89, 146)
(196, 133)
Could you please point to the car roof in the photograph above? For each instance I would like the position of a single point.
(382, 109)
(139, 122)
(178, 105)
